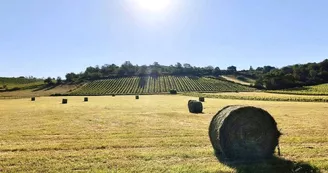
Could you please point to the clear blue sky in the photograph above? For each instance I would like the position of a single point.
(52, 37)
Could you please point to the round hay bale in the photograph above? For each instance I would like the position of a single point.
(195, 106)
(137, 97)
(33, 99)
(172, 91)
(64, 101)
(243, 132)
(202, 99)
(86, 99)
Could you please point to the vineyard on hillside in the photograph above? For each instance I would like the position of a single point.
(10, 83)
(306, 90)
(150, 85)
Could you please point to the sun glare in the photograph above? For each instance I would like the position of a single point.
(153, 5)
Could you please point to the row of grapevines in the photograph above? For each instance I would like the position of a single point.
(139, 85)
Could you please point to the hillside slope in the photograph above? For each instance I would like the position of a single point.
(9, 83)
(233, 78)
(38, 91)
(151, 85)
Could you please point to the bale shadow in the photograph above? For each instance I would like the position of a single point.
(272, 165)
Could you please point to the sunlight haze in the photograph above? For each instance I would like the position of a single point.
(51, 38)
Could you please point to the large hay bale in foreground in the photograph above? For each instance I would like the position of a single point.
(195, 106)
(86, 99)
(64, 101)
(202, 99)
(243, 133)
(33, 99)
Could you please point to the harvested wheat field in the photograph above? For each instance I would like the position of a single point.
(153, 134)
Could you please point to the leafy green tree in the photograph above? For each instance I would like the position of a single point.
(313, 74)
(232, 69)
(267, 69)
(48, 81)
(216, 71)
(208, 70)
(59, 80)
(71, 77)
(142, 71)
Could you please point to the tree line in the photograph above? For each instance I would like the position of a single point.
(127, 69)
(293, 76)
(267, 77)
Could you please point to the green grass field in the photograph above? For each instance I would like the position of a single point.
(261, 96)
(306, 90)
(153, 134)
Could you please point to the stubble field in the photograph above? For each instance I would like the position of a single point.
(153, 134)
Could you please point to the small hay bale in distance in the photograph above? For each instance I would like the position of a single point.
(137, 97)
(243, 133)
(64, 101)
(202, 99)
(33, 99)
(86, 99)
(173, 91)
(195, 106)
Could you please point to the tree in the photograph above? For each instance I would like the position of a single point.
(178, 70)
(178, 65)
(94, 76)
(187, 69)
(186, 65)
(71, 77)
(208, 70)
(216, 71)
(313, 74)
(154, 72)
(156, 64)
(232, 69)
(142, 70)
(127, 69)
(59, 80)
(48, 81)
(267, 69)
